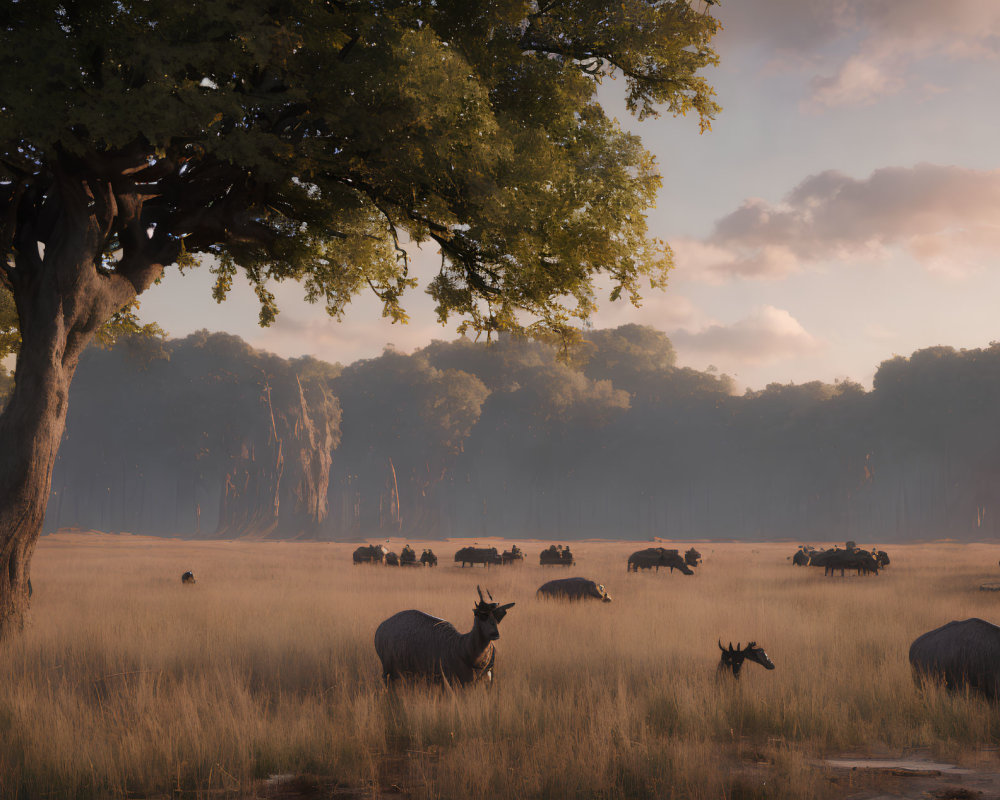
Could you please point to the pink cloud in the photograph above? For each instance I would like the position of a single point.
(946, 218)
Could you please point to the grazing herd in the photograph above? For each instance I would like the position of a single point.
(961, 655)
(378, 554)
(835, 559)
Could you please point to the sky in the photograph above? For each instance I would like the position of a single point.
(844, 208)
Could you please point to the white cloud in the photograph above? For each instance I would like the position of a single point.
(946, 218)
(767, 335)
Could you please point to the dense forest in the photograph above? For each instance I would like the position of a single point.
(207, 437)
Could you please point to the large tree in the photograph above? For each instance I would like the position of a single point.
(306, 140)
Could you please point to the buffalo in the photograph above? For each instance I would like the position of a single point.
(412, 644)
(487, 556)
(407, 558)
(187, 577)
(656, 557)
(370, 554)
(556, 555)
(512, 556)
(574, 589)
(962, 654)
(692, 558)
(428, 559)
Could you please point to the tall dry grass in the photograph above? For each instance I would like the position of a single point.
(127, 683)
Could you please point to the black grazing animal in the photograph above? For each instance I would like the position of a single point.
(692, 558)
(512, 556)
(556, 556)
(962, 654)
(881, 558)
(574, 589)
(391, 559)
(370, 554)
(656, 557)
(832, 560)
(801, 558)
(187, 577)
(412, 644)
(486, 556)
(733, 658)
(428, 559)
(408, 558)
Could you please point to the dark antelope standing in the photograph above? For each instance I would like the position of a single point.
(733, 658)
(412, 644)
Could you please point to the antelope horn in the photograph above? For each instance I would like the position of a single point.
(730, 647)
(481, 598)
(723, 649)
(505, 606)
(738, 647)
(489, 596)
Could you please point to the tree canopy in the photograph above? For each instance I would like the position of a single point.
(307, 140)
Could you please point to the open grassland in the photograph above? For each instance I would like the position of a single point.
(127, 683)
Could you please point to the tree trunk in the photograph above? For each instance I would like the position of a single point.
(63, 295)
(31, 428)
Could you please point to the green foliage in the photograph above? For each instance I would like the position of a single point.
(298, 140)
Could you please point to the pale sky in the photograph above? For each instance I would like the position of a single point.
(844, 208)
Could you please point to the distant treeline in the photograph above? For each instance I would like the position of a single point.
(205, 436)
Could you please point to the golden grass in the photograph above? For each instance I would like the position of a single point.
(127, 683)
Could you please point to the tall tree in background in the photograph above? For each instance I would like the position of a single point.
(302, 140)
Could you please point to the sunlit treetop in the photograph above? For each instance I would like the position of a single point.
(305, 140)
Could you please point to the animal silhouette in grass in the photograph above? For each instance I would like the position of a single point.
(428, 559)
(187, 577)
(487, 556)
(964, 654)
(574, 589)
(733, 658)
(415, 645)
(656, 557)
(370, 554)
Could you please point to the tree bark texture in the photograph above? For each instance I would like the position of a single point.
(63, 295)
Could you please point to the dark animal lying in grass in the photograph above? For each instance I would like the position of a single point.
(412, 644)
(963, 654)
(733, 658)
(574, 589)
(428, 559)
(187, 577)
